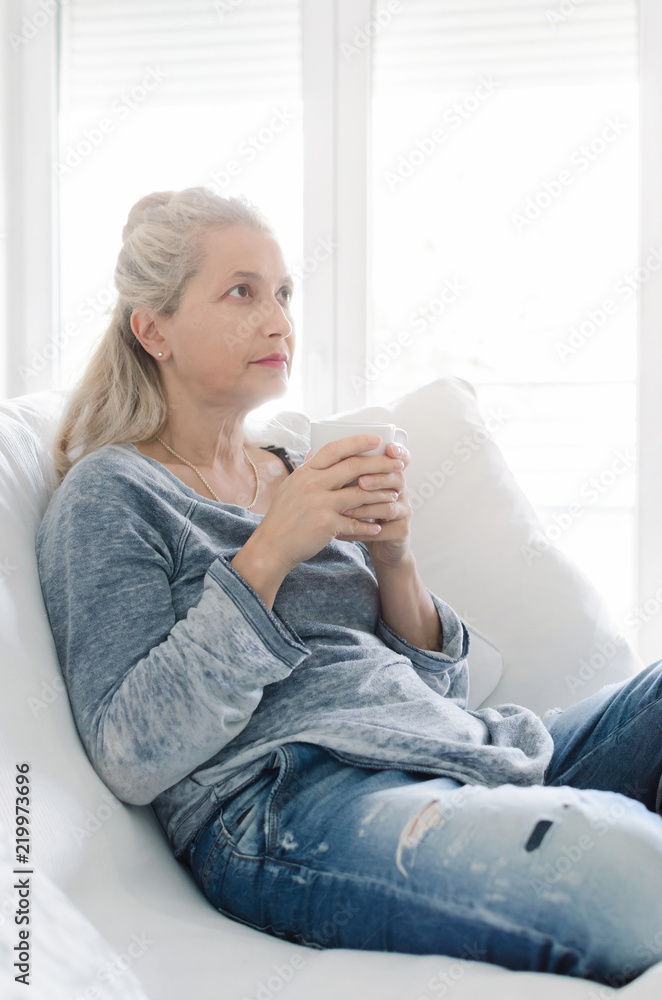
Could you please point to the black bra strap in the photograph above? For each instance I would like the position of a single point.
(281, 452)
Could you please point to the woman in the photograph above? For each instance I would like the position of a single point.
(272, 675)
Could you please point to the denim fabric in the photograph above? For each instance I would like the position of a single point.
(546, 879)
(182, 682)
(612, 740)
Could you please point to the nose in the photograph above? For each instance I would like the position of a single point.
(274, 318)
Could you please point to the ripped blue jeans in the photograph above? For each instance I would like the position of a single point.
(564, 878)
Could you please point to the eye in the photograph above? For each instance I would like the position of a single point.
(287, 292)
(242, 289)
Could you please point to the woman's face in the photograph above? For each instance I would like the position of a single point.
(234, 312)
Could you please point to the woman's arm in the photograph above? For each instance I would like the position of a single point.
(407, 606)
(153, 698)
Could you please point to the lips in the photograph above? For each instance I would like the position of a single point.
(273, 361)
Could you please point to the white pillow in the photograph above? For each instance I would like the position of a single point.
(470, 532)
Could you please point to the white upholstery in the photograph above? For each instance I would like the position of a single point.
(114, 914)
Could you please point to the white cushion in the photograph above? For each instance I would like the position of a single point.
(114, 879)
(66, 955)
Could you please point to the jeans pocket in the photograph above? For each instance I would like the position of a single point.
(300, 768)
(205, 852)
(281, 791)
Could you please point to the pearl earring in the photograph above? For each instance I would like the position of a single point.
(160, 354)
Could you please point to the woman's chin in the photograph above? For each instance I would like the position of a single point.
(277, 390)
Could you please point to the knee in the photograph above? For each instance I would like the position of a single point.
(604, 861)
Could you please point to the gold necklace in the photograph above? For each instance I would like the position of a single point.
(198, 473)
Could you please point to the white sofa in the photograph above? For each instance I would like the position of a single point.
(112, 914)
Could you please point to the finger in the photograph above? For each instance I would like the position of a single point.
(391, 531)
(391, 511)
(361, 536)
(360, 465)
(373, 481)
(354, 530)
(335, 451)
(354, 496)
(395, 450)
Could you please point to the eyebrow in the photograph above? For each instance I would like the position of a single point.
(258, 277)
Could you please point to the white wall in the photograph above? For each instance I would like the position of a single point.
(28, 318)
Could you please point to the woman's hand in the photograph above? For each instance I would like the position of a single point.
(306, 512)
(406, 604)
(392, 546)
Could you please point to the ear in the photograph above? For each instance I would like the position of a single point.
(146, 330)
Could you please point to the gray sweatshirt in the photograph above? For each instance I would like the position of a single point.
(182, 681)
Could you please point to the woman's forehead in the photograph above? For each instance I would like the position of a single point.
(235, 240)
(243, 252)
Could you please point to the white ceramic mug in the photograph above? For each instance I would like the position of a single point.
(324, 431)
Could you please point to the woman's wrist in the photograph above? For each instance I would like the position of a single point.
(259, 569)
(406, 604)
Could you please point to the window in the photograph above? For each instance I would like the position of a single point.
(474, 168)
(505, 247)
(165, 95)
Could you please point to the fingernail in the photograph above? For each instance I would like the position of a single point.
(399, 450)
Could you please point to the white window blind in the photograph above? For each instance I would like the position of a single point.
(440, 45)
(223, 51)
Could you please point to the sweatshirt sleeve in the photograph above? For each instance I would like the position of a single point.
(153, 698)
(446, 671)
